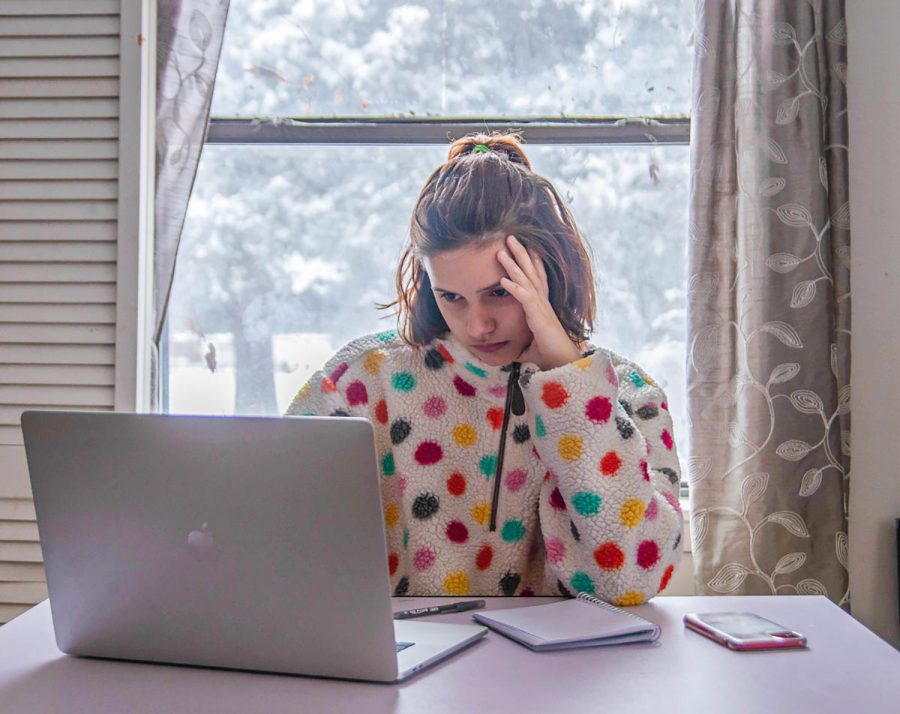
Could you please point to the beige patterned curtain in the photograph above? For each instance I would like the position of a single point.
(189, 43)
(769, 299)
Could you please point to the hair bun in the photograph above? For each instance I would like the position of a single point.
(508, 146)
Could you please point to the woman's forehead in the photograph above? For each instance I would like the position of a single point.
(467, 269)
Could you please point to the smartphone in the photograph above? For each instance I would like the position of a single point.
(743, 631)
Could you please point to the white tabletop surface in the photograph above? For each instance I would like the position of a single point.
(846, 669)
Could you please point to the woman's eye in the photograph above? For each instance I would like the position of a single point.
(499, 292)
(449, 297)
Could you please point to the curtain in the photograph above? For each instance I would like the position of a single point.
(189, 42)
(769, 299)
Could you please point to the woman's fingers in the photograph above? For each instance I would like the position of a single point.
(524, 259)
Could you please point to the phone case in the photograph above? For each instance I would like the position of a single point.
(743, 631)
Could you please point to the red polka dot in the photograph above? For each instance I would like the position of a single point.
(664, 406)
(667, 439)
(456, 484)
(556, 500)
(495, 417)
(648, 554)
(610, 463)
(609, 556)
(338, 372)
(463, 387)
(328, 385)
(644, 470)
(484, 557)
(526, 592)
(445, 353)
(393, 562)
(429, 452)
(554, 395)
(381, 413)
(457, 532)
(598, 410)
(357, 394)
(667, 576)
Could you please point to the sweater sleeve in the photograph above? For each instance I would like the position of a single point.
(608, 506)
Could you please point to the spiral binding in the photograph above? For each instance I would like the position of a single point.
(592, 600)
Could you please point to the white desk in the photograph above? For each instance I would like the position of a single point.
(846, 670)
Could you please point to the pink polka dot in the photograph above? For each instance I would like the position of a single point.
(673, 501)
(434, 407)
(646, 447)
(644, 470)
(664, 406)
(424, 558)
(667, 439)
(338, 372)
(556, 550)
(401, 484)
(498, 390)
(556, 500)
(611, 376)
(357, 394)
(652, 510)
(515, 479)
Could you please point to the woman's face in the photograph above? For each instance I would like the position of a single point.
(481, 315)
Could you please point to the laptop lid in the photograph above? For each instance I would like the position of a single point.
(240, 542)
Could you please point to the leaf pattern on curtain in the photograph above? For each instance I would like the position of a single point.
(769, 299)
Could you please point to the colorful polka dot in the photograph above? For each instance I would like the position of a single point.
(405, 538)
(581, 582)
(636, 379)
(609, 556)
(338, 372)
(387, 464)
(328, 387)
(583, 363)
(434, 359)
(569, 447)
(556, 550)
(425, 506)
(305, 391)
(456, 583)
(488, 465)
(509, 583)
(456, 484)
(465, 435)
(387, 336)
(401, 485)
(556, 500)
(497, 390)
(457, 532)
(481, 513)
(632, 597)
(434, 407)
(495, 417)
(648, 554)
(484, 557)
(644, 470)
(400, 429)
(515, 479)
(513, 531)
(402, 587)
(463, 387)
(372, 361)
(428, 452)
(673, 501)
(521, 433)
(357, 394)
(610, 463)
(381, 412)
(445, 353)
(587, 503)
(475, 370)
(652, 510)
(424, 558)
(666, 439)
(632, 512)
(393, 562)
(667, 576)
(403, 381)
(539, 429)
(611, 376)
(391, 515)
(598, 410)
(554, 395)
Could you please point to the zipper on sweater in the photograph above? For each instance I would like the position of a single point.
(515, 402)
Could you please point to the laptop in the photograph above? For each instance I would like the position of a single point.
(239, 542)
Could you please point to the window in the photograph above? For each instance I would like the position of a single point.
(329, 116)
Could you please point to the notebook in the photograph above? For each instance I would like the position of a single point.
(242, 542)
(584, 621)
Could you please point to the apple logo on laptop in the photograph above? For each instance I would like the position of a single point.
(202, 543)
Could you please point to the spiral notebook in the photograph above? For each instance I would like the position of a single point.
(584, 621)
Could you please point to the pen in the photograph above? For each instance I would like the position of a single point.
(439, 609)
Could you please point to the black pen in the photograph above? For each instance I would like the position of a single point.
(439, 609)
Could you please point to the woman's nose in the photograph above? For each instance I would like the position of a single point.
(480, 323)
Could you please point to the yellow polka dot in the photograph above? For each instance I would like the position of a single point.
(465, 434)
(632, 512)
(391, 514)
(632, 597)
(481, 512)
(583, 363)
(304, 391)
(649, 381)
(373, 360)
(570, 447)
(456, 583)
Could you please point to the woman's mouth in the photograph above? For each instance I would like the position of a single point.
(491, 346)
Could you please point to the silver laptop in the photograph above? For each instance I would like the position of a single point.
(240, 542)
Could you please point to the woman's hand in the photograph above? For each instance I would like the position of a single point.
(527, 283)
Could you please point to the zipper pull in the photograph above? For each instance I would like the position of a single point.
(518, 398)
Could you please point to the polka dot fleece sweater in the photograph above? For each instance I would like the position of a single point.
(584, 455)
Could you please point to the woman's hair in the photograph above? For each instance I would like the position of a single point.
(485, 191)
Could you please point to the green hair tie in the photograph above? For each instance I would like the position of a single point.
(481, 149)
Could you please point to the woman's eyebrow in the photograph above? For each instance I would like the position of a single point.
(480, 290)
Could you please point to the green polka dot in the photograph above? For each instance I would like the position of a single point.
(539, 427)
(636, 379)
(475, 370)
(405, 538)
(403, 381)
(587, 503)
(308, 414)
(488, 465)
(582, 582)
(387, 464)
(386, 336)
(512, 531)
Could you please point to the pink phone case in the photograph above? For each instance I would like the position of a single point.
(743, 631)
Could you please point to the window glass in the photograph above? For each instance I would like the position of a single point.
(459, 58)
